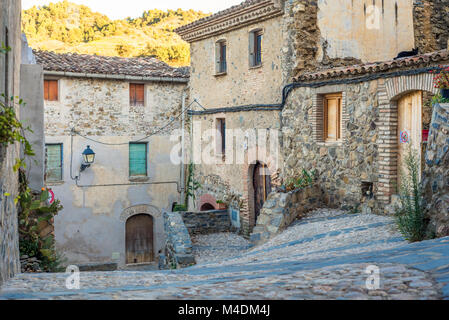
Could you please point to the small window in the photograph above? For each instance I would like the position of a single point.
(255, 46)
(53, 162)
(51, 90)
(138, 158)
(136, 94)
(332, 117)
(221, 136)
(221, 48)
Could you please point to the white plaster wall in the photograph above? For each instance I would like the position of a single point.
(343, 24)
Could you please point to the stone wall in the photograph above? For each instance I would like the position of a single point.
(229, 179)
(436, 174)
(281, 209)
(242, 84)
(316, 37)
(431, 22)
(106, 195)
(10, 12)
(341, 167)
(207, 222)
(178, 246)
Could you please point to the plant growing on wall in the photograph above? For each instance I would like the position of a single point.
(192, 185)
(303, 180)
(441, 81)
(35, 213)
(410, 215)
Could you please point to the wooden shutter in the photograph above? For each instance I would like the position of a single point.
(136, 94)
(252, 56)
(53, 95)
(132, 94)
(332, 117)
(217, 57)
(46, 90)
(138, 159)
(54, 162)
(140, 94)
(51, 90)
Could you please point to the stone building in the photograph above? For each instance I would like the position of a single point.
(10, 36)
(124, 110)
(243, 59)
(20, 77)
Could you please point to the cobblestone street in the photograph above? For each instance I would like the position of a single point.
(323, 256)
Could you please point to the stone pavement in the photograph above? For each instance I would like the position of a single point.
(324, 256)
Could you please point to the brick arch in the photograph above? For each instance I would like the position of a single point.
(208, 199)
(395, 88)
(140, 209)
(389, 94)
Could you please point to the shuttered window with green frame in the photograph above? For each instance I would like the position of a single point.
(138, 159)
(54, 156)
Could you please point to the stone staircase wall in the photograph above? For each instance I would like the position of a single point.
(178, 247)
(207, 222)
(436, 174)
(281, 209)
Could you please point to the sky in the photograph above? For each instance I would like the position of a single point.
(134, 8)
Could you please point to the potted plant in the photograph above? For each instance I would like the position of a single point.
(221, 205)
(441, 80)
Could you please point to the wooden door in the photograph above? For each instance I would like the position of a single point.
(262, 187)
(409, 128)
(139, 239)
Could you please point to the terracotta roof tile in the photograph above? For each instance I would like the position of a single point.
(376, 67)
(92, 64)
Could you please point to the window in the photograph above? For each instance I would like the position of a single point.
(221, 136)
(53, 162)
(138, 159)
(136, 94)
(255, 48)
(51, 90)
(332, 117)
(220, 48)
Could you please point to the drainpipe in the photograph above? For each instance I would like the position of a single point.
(183, 148)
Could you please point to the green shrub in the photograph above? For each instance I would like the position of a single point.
(410, 215)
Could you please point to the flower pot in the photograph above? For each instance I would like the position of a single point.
(221, 206)
(445, 93)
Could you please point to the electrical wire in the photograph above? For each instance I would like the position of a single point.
(74, 132)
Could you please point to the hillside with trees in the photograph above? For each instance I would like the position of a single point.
(67, 27)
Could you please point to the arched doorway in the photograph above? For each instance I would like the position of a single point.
(410, 129)
(139, 239)
(207, 207)
(262, 187)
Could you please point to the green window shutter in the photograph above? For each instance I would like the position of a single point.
(54, 162)
(137, 159)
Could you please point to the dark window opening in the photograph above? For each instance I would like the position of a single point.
(221, 145)
(222, 64)
(367, 190)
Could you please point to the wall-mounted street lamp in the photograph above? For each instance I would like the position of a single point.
(88, 158)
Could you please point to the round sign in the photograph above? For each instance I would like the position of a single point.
(404, 138)
(52, 196)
